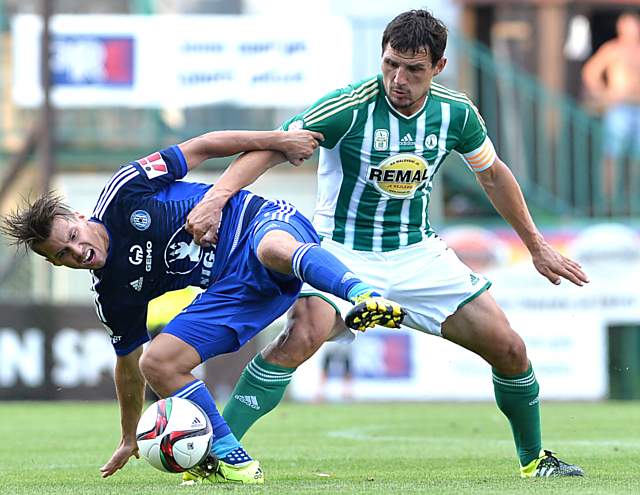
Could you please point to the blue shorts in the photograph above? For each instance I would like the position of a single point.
(247, 297)
(622, 131)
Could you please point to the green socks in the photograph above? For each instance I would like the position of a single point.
(517, 398)
(262, 386)
(259, 390)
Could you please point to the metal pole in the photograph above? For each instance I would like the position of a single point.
(46, 139)
(1, 54)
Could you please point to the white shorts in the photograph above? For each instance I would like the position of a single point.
(426, 278)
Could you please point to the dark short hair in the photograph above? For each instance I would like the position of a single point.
(32, 223)
(416, 31)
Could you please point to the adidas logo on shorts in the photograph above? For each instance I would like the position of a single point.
(249, 400)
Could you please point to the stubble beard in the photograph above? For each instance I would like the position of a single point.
(406, 104)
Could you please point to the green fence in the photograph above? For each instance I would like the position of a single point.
(551, 143)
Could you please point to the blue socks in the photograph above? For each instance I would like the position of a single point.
(360, 289)
(322, 270)
(224, 442)
(237, 457)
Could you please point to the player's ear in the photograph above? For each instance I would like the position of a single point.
(79, 215)
(440, 65)
(54, 263)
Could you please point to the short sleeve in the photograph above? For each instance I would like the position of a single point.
(126, 324)
(331, 115)
(143, 177)
(474, 132)
(162, 167)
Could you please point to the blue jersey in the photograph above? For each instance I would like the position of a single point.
(144, 208)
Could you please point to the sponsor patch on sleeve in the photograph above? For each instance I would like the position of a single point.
(153, 165)
(296, 125)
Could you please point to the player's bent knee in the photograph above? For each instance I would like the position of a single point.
(302, 340)
(290, 350)
(276, 249)
(152, 369)
(512, 359)
(160, 367)
(310, 322)
(294, 345)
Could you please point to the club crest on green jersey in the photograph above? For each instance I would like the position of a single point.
(431, 141)
(398, 176)
(381, 140)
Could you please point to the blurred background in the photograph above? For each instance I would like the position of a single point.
(86, 87)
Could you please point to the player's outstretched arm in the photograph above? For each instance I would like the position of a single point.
(504, 192)
(297, 146)
(130, 388)
(203, 221)
(271, 148)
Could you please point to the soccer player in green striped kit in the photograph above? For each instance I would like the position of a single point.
(384, 139)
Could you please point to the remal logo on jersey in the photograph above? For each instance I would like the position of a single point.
(398, 176)
(141, 220)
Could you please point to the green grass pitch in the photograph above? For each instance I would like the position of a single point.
(52, 448)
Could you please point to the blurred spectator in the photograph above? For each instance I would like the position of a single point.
(612, 77)
(336, 361)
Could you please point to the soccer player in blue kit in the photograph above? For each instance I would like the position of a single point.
(136, 247)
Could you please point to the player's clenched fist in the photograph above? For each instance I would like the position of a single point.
(203, 222)
(298, 146)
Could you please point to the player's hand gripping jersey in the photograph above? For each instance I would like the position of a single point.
(376, 165)
(144, 207)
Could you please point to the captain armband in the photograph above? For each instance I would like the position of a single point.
(481, 158)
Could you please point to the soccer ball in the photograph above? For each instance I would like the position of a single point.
(174, 435)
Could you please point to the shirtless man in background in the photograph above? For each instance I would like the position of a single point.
(612, 76)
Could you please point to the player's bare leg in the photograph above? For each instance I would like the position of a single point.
(310, 322)
(279, 251)
(167, 366)
(482, 327)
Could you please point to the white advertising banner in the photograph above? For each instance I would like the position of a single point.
(565, 327)
(569, 354)
(177, 61)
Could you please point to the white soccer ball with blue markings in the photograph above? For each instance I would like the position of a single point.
(174, 435)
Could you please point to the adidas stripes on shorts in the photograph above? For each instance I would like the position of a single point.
(426, 278)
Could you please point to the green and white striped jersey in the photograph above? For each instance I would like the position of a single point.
(376, 165)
